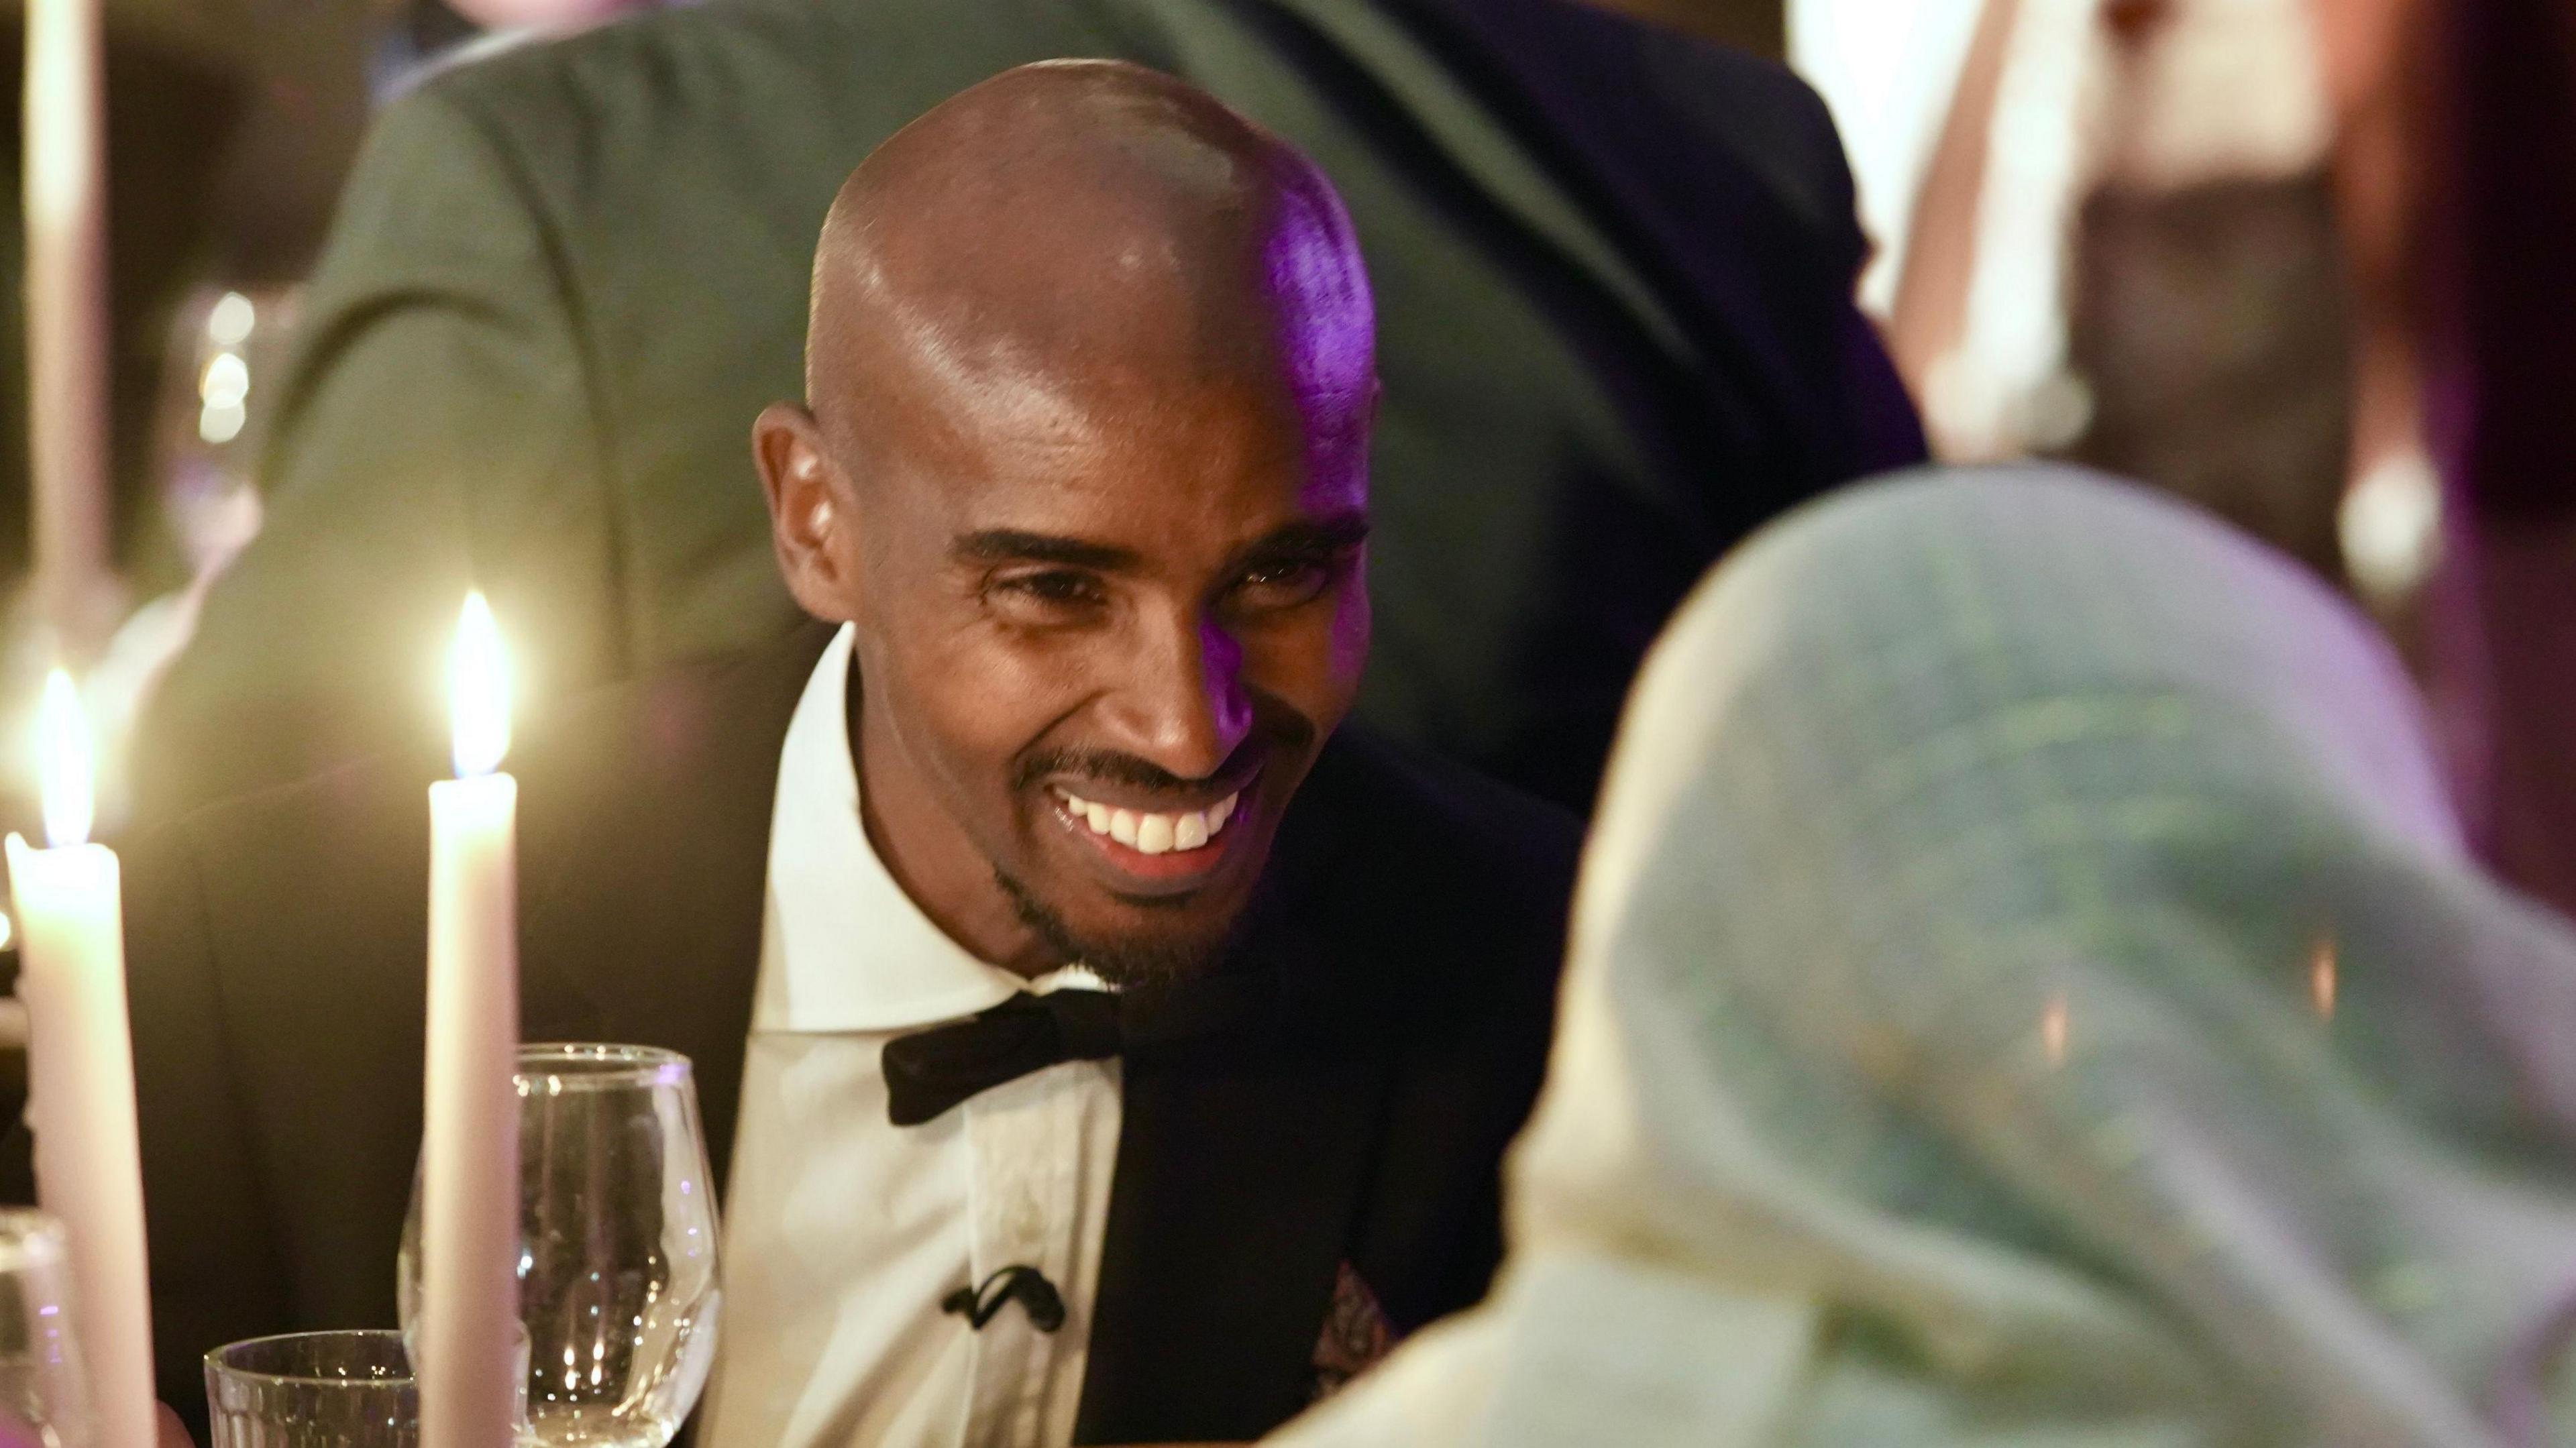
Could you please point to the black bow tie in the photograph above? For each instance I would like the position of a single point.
(929, 1071)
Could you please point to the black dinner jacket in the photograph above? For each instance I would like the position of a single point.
(1403, 954)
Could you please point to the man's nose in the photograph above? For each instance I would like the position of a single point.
(1184, 707)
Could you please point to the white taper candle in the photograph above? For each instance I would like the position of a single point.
(469, 1310)
(80, 1074)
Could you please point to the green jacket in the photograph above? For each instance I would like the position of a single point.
(564, 279)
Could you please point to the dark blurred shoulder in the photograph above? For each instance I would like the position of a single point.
(274, 890)
(1675, 99)
(1463, 877)
(1447, 895)
(1763, 114)
(1399, 795)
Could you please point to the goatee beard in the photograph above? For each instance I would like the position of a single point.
(1125, 965)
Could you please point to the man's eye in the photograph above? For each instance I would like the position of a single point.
(1284, 584)
(1051, 591)
(1057, 587)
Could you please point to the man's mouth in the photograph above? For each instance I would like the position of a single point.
(1150, 832)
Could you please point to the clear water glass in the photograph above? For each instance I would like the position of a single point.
(44, 1396)
(617, 1267)
(313, 1390)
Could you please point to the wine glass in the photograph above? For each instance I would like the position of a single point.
(617, 1262)
(44, 1395)
(313, 1390)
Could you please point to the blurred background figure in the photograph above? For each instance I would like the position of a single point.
(2287, 258)
(2028, 986)
(2105, 232)
(2292, 259)
(2458, 174)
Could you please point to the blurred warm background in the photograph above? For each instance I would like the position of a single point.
(2293, 259)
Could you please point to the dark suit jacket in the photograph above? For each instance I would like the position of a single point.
(1402, 956)
(1612, 267)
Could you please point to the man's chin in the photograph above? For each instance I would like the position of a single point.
(1125, 958)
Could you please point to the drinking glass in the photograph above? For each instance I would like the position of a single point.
(44, 1398)
(313, 1390)
(617, 1262)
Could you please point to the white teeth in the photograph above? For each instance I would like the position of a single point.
(1153, 834)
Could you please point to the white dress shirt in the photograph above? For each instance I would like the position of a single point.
(843, 1231)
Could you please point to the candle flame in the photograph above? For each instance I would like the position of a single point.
(478, 691)
(62, 762)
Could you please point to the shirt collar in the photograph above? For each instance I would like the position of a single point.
(851, 951)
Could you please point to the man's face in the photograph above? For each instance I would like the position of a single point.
(1105, 636)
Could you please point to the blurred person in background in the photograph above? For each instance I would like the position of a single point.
(2208, 346)
(2028, 985)
(2456, 173)
(1614, 271)
(2297, 261)
(2106, 234)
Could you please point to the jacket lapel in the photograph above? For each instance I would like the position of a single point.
(1241, 1163)
(644, 849)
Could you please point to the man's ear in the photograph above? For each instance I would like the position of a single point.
(809, 524)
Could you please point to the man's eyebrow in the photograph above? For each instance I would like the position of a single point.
(1006, 545)
(1312, 537)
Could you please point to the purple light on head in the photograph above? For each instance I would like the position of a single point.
(1318, 288)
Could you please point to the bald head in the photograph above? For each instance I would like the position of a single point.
(1036, 251)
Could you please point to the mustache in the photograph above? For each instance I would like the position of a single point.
(1112, 767)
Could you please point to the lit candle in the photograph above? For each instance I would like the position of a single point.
(469, 1310)
(80, 1072)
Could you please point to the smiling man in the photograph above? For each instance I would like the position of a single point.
(1084, 463)
(1099, 1040)
(1082, 474)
